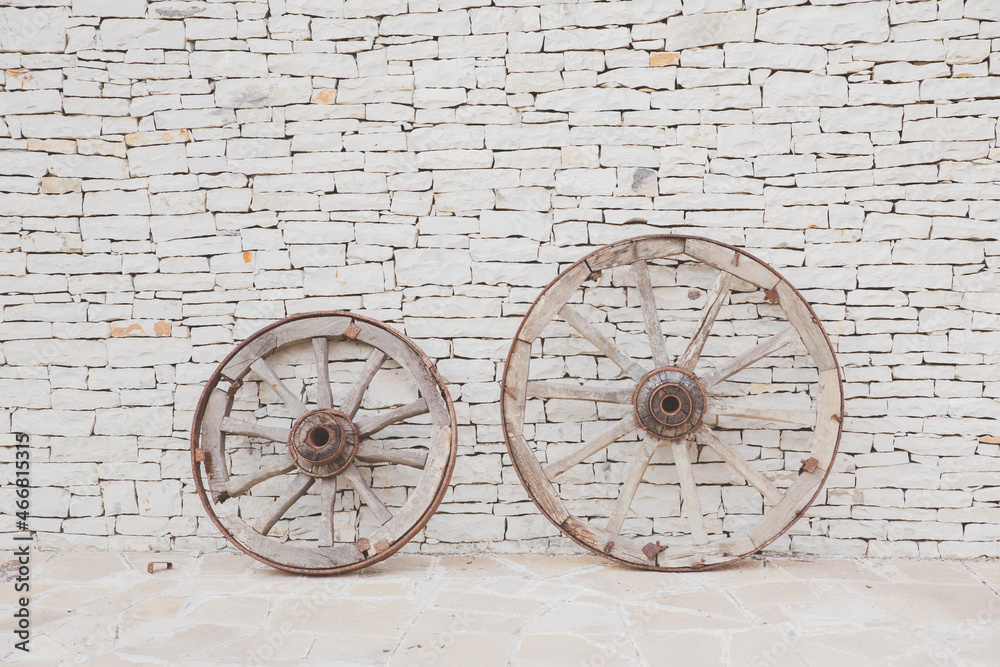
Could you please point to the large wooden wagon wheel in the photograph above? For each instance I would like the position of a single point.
(662, 421)
(295, 471)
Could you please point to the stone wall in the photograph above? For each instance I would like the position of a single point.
(174, 175)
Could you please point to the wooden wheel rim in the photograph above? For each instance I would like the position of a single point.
(787, 507)
(208, 440)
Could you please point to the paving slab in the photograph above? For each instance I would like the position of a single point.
(96, 608)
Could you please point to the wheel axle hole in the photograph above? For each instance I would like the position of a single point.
(670, 405)
(318, 437)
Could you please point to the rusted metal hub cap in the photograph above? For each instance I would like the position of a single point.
(669, 402)
(322, 442)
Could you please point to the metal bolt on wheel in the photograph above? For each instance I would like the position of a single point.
(667, 418)
(288, 469)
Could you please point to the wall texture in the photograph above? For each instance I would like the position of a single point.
(174, 175)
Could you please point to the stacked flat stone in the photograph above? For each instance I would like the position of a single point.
(174, 175)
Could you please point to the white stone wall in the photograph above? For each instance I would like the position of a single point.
(174, 175)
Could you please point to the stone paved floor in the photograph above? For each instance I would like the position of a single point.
(483, 610)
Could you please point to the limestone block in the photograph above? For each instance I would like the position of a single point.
(861, 119)
(593, 99)
(119, 498)
(162, 498)
(432, 266)
(30, 101)
(152, 160)
(24, 163)
(116, 202)
(145, 352)
(783, 89)
(146, 421)
(229, 64)
(826, 24)
(709, 97)
(124, 34)
(710, 28)
(366, 90)
(587, 39)
(255, 93)
(337, 29)
(775, 56)
(24, 393)
(433, 24)
(110, 8)
(344, 280)
(38, 30)
(454, 73)
(53, 422)
(982, 9)
(329, 65)
(753, 140)
(41, 205)
(586, 182)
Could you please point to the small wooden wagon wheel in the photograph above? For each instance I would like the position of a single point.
(288, 469)
(719, 471)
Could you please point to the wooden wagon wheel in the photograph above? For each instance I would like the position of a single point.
(684, 417)
(278, 440)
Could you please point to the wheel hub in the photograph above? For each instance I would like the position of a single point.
(322, 442)
(669, 402)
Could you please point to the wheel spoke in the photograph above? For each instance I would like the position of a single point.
(721, 408)
(367, 495)
(653, 329)
(328, 496)
(375, 423)
(295, 490)
(413, 458)
(242, 483)
(578, 392)
(324, 396)
(349, 406)
(238, 427)
(635, 471)
(597, 443)
(748, 358)
(736, 462)
(689, 490)
(715, 300)
(291, 400)
(610, 350)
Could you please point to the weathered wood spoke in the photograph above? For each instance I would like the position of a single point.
(367, 495)
(414, 458)
(293, 402)
(689, 491)
(295, 490)
(753, 355)
(716, 298)
(647, 300)
(328, 496)
(239, 427)
(725, 408)
(349, 406)
(601, 342)
(240, 484)
(736, 462)
(324, 395)
(579, 392)
(302, 342)
(635, 471)
(604, 439)
(375, 423)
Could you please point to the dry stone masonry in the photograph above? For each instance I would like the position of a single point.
(176, 174)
